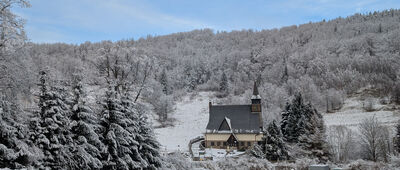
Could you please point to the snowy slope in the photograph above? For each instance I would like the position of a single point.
(191, 120)
(352, 114)
(192, 117)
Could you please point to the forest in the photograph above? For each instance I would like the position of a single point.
(47, 118)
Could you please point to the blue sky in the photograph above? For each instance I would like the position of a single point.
(77, 21)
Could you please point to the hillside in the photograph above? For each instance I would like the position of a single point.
(191, 116)
(326, 60)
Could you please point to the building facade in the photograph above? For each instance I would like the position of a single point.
(235, 126)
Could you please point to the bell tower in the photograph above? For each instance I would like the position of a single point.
(255, 100)
(256, 105)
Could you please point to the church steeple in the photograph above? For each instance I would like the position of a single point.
(255, 100)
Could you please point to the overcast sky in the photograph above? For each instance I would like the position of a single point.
(77, 21)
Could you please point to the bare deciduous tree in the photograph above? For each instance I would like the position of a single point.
(375, 139)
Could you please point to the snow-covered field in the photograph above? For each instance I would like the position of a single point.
(191, 116)
(191, 120)
(352, 114)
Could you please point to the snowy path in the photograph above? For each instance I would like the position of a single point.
(191, 120)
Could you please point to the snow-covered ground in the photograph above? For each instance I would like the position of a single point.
(191, 116)
(352, 114)
(191, 120)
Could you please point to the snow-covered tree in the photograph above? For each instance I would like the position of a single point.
(13, 71)
(275, 147)
(85, 127)
(313, 141)
(294, 119)
(149, 146)
(397, 137)
(121, 132)
(223, 85)
(342, 143)
(373, 139)
(257, 151)
(50, 127)
(14, 152)
(164, 82)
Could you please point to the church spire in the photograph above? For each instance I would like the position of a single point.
(255, 89)
(256, 95)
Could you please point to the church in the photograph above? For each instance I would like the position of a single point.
(235, 126)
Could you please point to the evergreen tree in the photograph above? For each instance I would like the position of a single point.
(149, 147)
(223, 85)
(294, 119)
(275, 147)
(120, 135)
(14, 152)
(257, 151)
(397, 138)
(49, 127)
(164, 82)
(84, 127)
(313, 141)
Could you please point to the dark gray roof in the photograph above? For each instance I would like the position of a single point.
(242, 119)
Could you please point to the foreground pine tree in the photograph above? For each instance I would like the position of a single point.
(14, 152)
(50, 127)
(120, 135)
(149, 146)
(85, 125)
(275, 147)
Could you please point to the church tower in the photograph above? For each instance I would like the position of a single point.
(255, 100)
(256, 105)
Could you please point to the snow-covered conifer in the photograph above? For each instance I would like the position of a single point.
(313, 141)
(223, 85)
(149, 146)
(14, 152)
(397, 137)
(85, 126)
(120, 135)
(164, 82)
(294, 119)
(257, 151)
(275, 147)
(50, 127)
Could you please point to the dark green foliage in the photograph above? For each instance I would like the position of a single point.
(49, 128)
(14, 152)
(313, 141)
(149, 147)
(120, 135)
(294, 119)
(397, 137)
(223, 85)
(87, 147)
(257, 151)
(275, 147)
(164, 82)
(302, 124)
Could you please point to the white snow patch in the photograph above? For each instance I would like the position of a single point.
(352, 114)
(191, 120)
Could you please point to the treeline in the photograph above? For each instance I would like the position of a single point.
(325, 60)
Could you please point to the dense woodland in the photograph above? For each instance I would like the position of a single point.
(43, 98)
(327, 61)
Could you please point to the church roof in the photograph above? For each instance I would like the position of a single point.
(242, 120)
